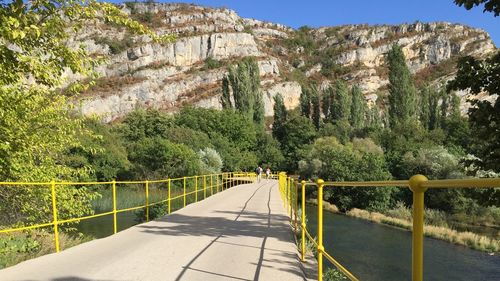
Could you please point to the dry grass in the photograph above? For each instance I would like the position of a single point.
(469, 239)
(105, 86)
(326, 205)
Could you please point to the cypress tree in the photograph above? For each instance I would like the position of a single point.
(226, 94)
(402, 92)
(305, 102)
(341, 103)
(327, 99)
(244, 81)
(315, 106)
(280, 117)
(428, 108)
(358, 108)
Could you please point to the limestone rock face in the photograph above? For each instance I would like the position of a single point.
(142, 73)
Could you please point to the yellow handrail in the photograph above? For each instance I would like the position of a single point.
(226, 180)
(418, 184)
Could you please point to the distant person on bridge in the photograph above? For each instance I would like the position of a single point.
(268, 173)
(258, 171)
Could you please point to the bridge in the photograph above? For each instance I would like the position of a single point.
(237, 228)
(243, 233)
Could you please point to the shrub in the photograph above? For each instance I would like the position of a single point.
(210, 161)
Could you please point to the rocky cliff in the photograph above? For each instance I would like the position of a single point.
(188, 71)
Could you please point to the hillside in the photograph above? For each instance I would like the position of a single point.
(189, 71)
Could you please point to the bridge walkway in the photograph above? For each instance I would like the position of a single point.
(242, 233)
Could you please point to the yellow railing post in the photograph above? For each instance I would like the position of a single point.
(184, 196)
(169, 200)
(418, 227)
(289, 198)
(217, 183)
(303, 222)
(204, 187)
(147, 200)
(294, 205)
(54, 214)
(114, 206)
(211, 185)
(196, 189)
(321, 249)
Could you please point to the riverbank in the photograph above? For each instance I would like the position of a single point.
(468, 239)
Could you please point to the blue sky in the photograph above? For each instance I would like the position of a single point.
(318, 13)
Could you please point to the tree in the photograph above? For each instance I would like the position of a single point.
(305, 101)
(402, 92)
(479, 76)
(327, 100)
(280, 117)
(36, 124)
(358, 108)
(315, 106)
(268, 151)
(489, 5)
(299, 132)
(341, 103)
(330, 160)
(243, 80)
(428, 115)
(156, 158)
(210, 161)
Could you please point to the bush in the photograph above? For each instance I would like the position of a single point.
(210, 161)
(155, 158)
(330, 160)
(116, 46)
(211, 63)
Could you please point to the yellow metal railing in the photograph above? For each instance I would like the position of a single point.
(418, 184)
(213, 183)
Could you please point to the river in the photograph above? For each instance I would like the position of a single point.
(377, 252)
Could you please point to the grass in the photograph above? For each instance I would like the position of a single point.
(21, 246)
(326, 205)
(468, 239)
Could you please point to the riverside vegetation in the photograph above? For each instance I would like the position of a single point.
(333, 135)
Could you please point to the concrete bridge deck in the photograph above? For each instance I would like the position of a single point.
(242, 233)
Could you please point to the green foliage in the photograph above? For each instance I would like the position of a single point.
(484, 117)
(211, 63)
(115, 46)
(433, 162)
(489, 5)
(358, 108)
(302, 38)
(305, 101)
(330, 160)
(402, 92)
(280, 117)
(225, 123)
(428, 115)
(107, 157)
(341, 103)
(143, 123)
(298, 132)
(243, 81)
(315, 106)
(156, 158)
(37, 126)
(333, 274)
(210, 161)
(268, 151)
(195, 140)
